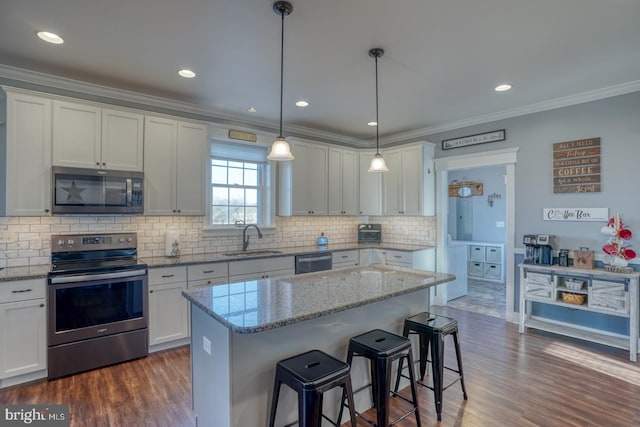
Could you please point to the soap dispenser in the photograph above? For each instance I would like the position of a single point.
(322, 240)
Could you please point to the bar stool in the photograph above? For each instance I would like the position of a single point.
(431, 330)
(382, 348)
(310, 374)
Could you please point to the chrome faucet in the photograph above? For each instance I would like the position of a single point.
(245, 238)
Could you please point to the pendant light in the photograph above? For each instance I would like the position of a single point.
(377, 162)
(280, 150)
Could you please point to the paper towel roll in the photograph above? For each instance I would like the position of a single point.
(172, 243)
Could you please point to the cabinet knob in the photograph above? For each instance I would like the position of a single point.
(179, 211)
(41, 305)
(104, 164)
(46, 210)
(97, 163)
(150, 291)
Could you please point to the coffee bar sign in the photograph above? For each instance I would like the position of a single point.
(576, 166)
(575, 214)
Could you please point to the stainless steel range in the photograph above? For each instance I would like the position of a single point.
(97, 302)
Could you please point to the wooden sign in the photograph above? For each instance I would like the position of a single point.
(243, 136)
(481, 138)
(575, 214)
(576, 166)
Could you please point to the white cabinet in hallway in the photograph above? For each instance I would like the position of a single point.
(90, 136)
(175, 158)
(486, 261)
(28, 155)
(23, 329)
(168, 310)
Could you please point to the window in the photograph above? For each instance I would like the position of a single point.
(240, 190)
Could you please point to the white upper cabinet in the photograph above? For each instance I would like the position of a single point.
(27, 189)
(89, 136)
(370, 186)
(303, 182)
(174, 166)
(407, 188)
(343, 182)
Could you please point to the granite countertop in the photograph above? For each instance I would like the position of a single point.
(259, 305)
(41, 271)
(157, 262)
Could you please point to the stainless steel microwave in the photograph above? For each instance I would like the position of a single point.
(96, 191)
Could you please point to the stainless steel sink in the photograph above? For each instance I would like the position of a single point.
(253, 252)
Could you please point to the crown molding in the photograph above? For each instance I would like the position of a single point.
(62, 84)
(594, 95)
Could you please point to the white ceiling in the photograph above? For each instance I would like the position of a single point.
(442, 58)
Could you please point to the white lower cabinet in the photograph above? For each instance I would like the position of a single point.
(262, 268)
(343, 259)
(23, 331)
(423, 259)
(168, 309)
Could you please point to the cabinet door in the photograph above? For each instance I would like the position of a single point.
(76, 135)
(300, 197)
(370, 186)
(23, 339)
(429, 181)
(350, 182)
(609, 295)
(539, 284)
(28, 169)
(411, 181)
(168, 313)
(122, 139)
(336, 181)
(391, 183)
(160, 141)
(191, 162)
(317, 180)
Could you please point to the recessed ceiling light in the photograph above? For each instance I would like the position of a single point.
(302, 103)
(251, 110)
(373, 123)
(50, 37)
(502, 87)
(188, 74)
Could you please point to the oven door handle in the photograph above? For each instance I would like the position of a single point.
(103, 276)
(313, 258)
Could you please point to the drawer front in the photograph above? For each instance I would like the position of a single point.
(476, 253)
(475, 269)
(22, 290)
(193, 284)
(610, 296)
(493, 271)
(159, 276)
(493, 254)
(261, 265)
(215, 270)
(348, 257)
(402, 258)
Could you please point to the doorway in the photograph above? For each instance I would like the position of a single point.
(443, 166)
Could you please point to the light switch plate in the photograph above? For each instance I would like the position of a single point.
(206, 345)
(499, 224)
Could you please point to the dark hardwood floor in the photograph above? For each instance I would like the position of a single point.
(538, 379)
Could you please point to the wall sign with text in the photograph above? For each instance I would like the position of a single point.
(481, 138)
(575, 214)
(576, 166)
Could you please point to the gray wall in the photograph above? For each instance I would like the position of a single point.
(615, 120)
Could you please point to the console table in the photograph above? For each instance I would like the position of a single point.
(603, 292)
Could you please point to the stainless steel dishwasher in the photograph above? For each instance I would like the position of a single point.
(313, 262)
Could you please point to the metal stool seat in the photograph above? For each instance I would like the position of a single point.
(431, 330)
(382, 349)
(310, 374)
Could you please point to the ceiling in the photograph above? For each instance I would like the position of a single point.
(442, 58)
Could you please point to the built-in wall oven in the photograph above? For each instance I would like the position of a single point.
(97, 302)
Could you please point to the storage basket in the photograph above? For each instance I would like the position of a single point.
(574, 284)
(569, 298)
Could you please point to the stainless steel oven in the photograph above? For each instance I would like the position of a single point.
(369, 233)
(97, 303)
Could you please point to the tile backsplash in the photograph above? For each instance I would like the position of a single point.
(26, 241)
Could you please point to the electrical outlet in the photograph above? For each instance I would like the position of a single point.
(499, 224)
(206, 345)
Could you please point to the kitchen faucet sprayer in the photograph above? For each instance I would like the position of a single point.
(245, 238)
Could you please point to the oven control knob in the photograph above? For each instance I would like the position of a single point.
(121, 240)
(60, 243)
(129, 239)
(70, 242)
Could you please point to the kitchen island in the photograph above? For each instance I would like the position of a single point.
(240, 330)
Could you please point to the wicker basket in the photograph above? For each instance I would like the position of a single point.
(569, 298)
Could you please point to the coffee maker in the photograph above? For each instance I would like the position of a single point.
(538, 249)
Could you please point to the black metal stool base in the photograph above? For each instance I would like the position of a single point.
(431, 330)
(382, 348)
(310, 374)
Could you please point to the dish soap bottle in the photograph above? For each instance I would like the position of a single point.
(322, 240)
